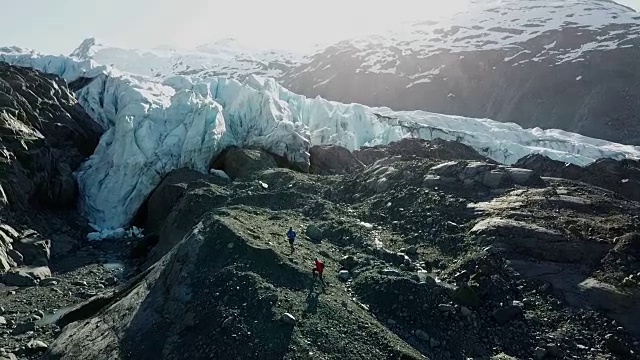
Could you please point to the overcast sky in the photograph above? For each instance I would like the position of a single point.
(58, 26)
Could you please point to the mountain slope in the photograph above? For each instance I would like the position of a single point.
(153, 128)
(425, 266)
(570, 65)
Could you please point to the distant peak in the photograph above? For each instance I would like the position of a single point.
(84, 50)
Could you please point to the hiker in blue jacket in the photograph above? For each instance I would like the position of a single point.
(291, 235)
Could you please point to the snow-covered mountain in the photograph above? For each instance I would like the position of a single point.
(154, 127)
(568, 64)
(225, 57)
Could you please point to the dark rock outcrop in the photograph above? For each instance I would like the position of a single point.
(166, 196)
(240, 162)
(332, 160)
(45, 137)
(619, 176)
(433, 149)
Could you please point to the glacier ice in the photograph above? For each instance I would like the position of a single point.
(153, 127)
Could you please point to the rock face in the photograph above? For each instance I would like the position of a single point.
(434, 149)
(165, 196)
(332, 160)
(534, 63)
(45, 136)
(620, 176)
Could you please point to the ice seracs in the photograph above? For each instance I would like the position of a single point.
(154, 127)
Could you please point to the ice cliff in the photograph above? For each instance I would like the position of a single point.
(154, 127)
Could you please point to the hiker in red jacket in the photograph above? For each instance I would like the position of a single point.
(317, 271)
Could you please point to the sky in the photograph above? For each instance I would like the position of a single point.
(59, 26)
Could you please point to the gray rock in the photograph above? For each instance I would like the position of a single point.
(111, 280)
(520, 176)
(448, 169)
(288, 319)
(313, 232)
(465, 311)
(37, 345)
(8, 356)
(464, 295)
(49, 281)
(412, 250)
(239, 163)
(35, 250)
(332, 160)
(26, 276)
(344, 275)
(615, 345)
(422, 335)
(553, 350)
(539, 353)
(431, 180)
(507, 314)
(349, 262)
(79, 283)
(434, 343)
(391, 272)
(447, 308)
(16, 256)
(3, 320)
(24, 328)
(271, 298)
(492, 179)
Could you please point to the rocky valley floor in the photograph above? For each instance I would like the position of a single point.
(424, 259)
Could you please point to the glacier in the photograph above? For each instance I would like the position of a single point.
(154, 126)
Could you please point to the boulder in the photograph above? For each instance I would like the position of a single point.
(35, 250)
(6, 260)
(344, 275)
(349, 262)
(288, 319)
(37, 345)
(166, 195)
(544, 244)
(313, 232)
(26, 276)
(422, 335)
(615, 345)
(239, 163)
(466, 296)
(493, 179)
(506, 314)
(23, 328)
(521, 176)
(332, 160)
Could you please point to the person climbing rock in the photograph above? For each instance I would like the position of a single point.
(291, 235)
(318, 270)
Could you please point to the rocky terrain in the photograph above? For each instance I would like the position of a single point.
(44, 136)
(426, 257)
(431, 251)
